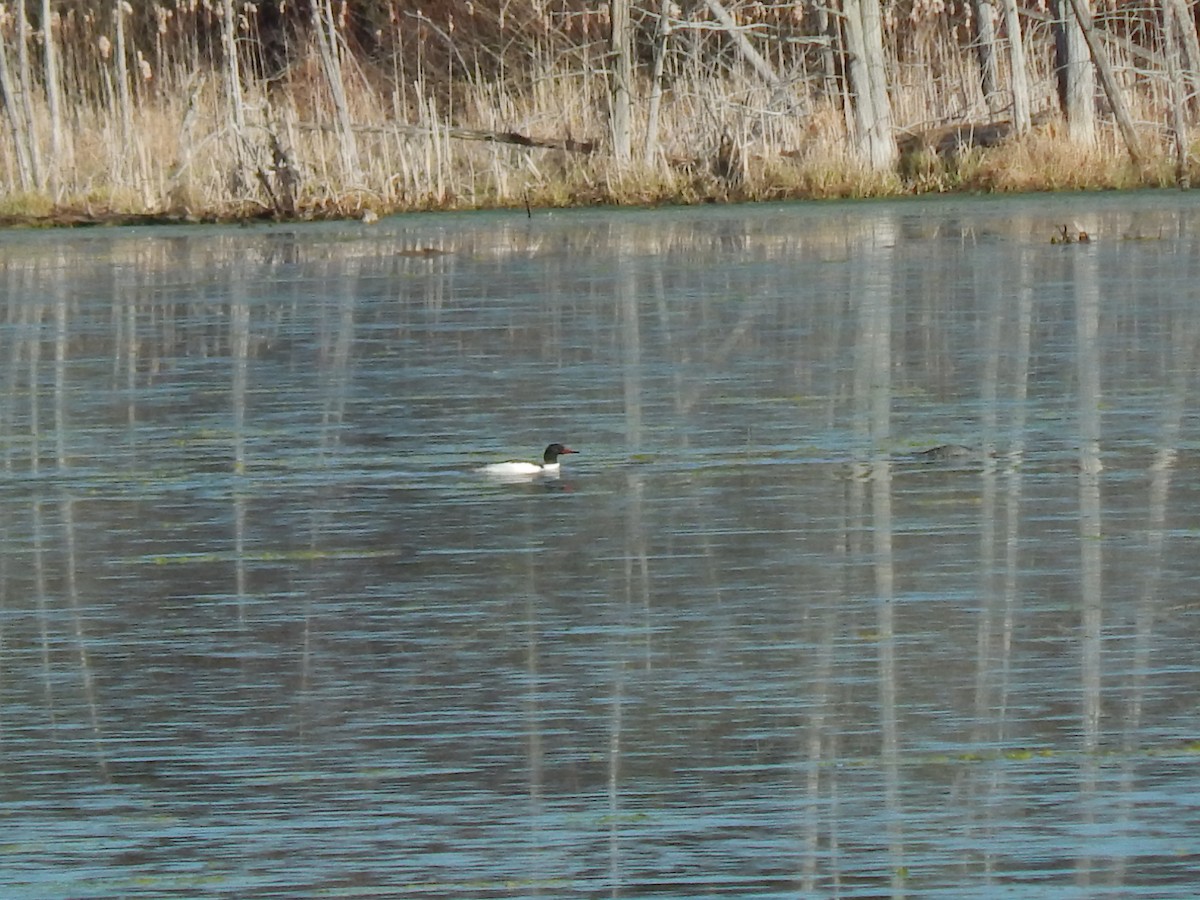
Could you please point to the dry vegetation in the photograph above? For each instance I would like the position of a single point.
(339, 108)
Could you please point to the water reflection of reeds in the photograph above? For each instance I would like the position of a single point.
(235, 457)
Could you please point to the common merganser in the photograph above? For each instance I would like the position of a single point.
(549, 467)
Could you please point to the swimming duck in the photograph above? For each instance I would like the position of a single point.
(517, 470)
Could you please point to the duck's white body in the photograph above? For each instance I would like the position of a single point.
(518, 469)
(522, 471)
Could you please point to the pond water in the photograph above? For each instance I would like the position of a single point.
(265, 631)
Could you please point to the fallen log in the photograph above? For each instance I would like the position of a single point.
(949, 140)
(465, 134)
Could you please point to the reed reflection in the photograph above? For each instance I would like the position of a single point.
(1087, 318)
(749, 625)
(875, 363)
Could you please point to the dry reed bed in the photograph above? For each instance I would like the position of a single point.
(153, 121)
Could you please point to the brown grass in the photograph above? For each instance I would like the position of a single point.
(1045, 161)
(724, 137)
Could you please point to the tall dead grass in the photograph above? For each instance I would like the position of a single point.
(156, 127)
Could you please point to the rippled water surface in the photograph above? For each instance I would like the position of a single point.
(265, 631)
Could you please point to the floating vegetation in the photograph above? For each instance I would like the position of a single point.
(1071, 234)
